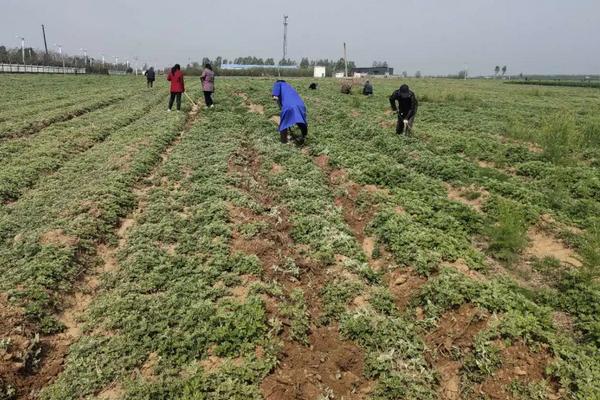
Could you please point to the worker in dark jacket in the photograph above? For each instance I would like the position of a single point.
(368, 89)
(177, 86)
(150, 76)
(404, 102)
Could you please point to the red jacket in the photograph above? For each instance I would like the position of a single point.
(176, 80)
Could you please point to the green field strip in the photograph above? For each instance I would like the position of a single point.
(26, 159)
(176, 292)
(83, 201)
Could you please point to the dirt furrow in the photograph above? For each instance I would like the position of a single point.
(314, 360)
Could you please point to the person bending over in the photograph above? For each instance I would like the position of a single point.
(293, 111)
(368, 89)
(404, 102)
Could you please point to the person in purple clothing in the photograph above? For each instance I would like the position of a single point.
(293, 111)
(208, 85)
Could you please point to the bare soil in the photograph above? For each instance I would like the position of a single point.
(542, 244)
(519, 363)
(328, 366)
(455, 333)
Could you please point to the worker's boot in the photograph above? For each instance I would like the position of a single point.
(283, 136)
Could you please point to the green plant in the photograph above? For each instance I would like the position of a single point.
(508, 233)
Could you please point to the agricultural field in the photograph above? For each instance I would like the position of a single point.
(154, 255)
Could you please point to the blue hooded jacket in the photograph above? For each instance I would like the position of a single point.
(293, 110)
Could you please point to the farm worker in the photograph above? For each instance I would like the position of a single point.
(368, 89)
(293, 110)
(208, 85)
(150, 76)
(404, 102)
(177, 86)
(346, 88)
(312, 86)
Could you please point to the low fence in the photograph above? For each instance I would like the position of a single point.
(39, 69)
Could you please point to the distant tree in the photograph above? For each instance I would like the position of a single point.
(218, 61)
(418, 74)
(288, 62)
(504, 70)
(3, 54)
(462, 74)
(304, 63)
(225, 61)
(380, 64)
(269, 61)
(497, 70)
(404, 74)
(340, 65)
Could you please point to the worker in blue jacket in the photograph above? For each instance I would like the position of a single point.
(293, 111)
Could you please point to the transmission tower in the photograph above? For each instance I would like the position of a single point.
(285, 26)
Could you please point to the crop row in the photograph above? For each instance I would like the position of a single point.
(48, 236)
(26, 159)
(169, 308)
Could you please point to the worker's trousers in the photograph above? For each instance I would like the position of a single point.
(208, 98)
(175, 96)
(303, 131)
(400, 129)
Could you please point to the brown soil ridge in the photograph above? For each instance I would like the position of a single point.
(49, 352)
(326, 365)
(252, 107)
(455, 333)
(519, 364)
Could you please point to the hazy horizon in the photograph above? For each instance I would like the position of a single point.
(433, 36)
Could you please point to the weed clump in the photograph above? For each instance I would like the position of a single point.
(508, 235)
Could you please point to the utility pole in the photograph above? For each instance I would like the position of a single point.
(285, 28)
(45, 43)
(22, 47)
(61, 56)
(345, 61)
(85, 59)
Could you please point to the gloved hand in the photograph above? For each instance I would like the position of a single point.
(405, 122)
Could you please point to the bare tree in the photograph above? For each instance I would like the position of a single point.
(497, 70)
(504, 68)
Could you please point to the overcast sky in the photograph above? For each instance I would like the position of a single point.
(434, 36)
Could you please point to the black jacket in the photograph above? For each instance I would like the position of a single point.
(406, 106)
(367, 89)
(150, 74)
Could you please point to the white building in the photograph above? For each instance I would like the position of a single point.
(320, 72)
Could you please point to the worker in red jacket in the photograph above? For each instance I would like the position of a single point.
(177, 86)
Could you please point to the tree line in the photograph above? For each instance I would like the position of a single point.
(54, 58)
(304, 64)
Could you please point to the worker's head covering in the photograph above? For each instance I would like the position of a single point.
(404, 91)
(176, 67)
(208, 66)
